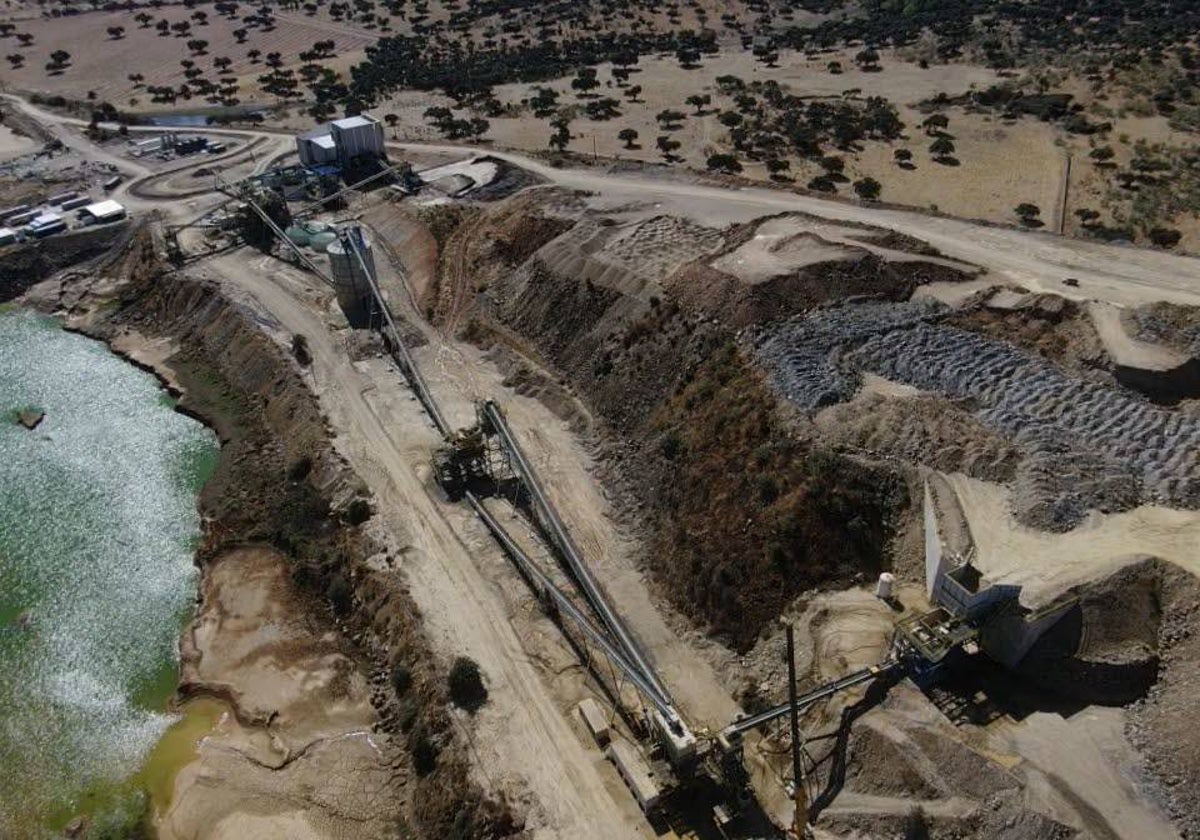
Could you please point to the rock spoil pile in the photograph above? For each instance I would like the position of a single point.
(1085, 445)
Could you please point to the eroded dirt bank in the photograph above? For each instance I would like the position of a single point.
(732, 500)
(295, 631)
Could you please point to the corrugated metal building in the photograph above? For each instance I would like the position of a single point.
(317, 147)
(357, 137)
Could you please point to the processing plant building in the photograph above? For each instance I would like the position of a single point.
(341, 142)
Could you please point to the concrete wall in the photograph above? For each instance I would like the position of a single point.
(935, 559)
(1009, 634)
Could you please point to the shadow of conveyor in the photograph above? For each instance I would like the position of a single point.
(837, 757)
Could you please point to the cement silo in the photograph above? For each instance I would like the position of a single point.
(351, 284)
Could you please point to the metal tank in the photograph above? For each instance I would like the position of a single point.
(352, 286)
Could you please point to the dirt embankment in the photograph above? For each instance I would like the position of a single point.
(281, 493)
(733, 505)
(766, 271)
(24, 266)
(1052, 327)
(1132, 640)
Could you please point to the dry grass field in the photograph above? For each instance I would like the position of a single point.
(996, 165)
(999, 167)
(102, 64)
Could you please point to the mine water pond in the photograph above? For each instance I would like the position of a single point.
(98, 524)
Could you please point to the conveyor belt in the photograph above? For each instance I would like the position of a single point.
(567, 607)
(740, 727)
(353, 243)
(570, 552)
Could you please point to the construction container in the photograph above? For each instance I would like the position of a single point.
(47, 229)
(22, 218)
(636, 773)
(8, 236)
(14, 211)
(76, 203)
(56, 200)
(350, 283)
(883, 589)
(595, 720)
(112, 183)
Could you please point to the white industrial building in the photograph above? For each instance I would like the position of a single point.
(341, 141)
(317, 147)
(102, 212)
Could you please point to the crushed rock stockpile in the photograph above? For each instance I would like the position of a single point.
(1085, 445)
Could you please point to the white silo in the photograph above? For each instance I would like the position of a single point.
(350, 283)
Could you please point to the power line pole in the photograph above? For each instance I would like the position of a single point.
(800, 792)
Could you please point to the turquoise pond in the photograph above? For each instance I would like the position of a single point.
(98, 523)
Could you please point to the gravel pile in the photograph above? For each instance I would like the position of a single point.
(1086, 446)
(805, 354)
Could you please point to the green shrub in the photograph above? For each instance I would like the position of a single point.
(300, 469)
(424, 752)
(467, 690)
(358, 512)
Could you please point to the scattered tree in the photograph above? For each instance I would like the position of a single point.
(670, 119)
(868, 60)
(1164, 237)
(560, 136)
(942, 148)
(724, 163)
(699, 101)
(667, 146)
(868, 188)
(627, 136)
(935, 124)
(1028, 214)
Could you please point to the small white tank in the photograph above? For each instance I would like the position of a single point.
(883, 589)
